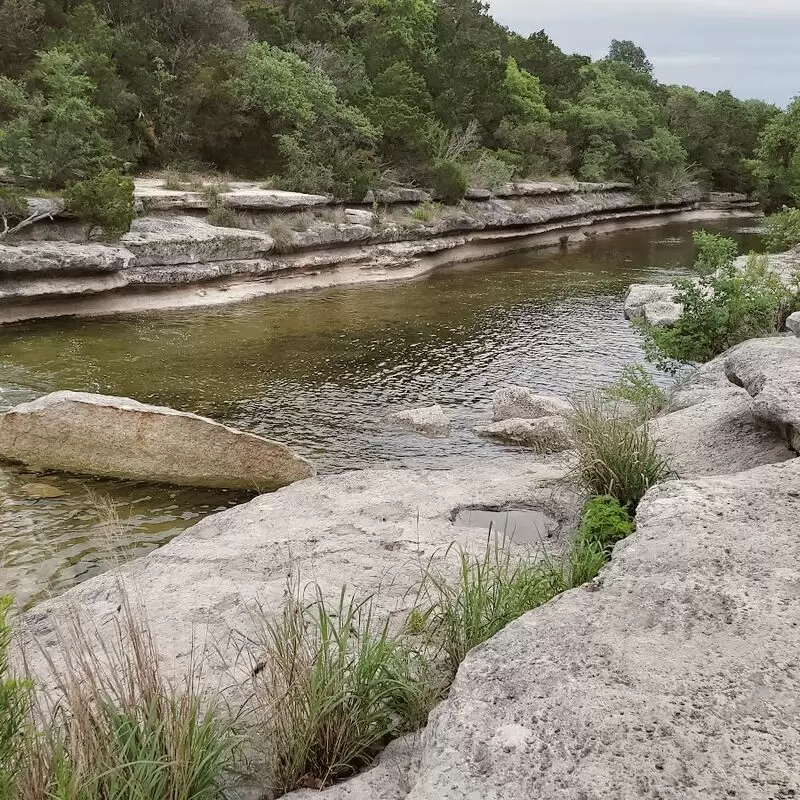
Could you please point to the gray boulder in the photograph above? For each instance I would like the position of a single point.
(543, 434)
(793, 323)
(641, 295)
(710, 430)
(116, 437)
(359, 216)
(671, 679)
(662, 313)
(517, 402)
(769, 369)
(429, 421)
(61, 258)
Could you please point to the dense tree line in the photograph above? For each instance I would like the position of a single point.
(339, 95)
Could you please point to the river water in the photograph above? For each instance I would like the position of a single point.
(318, 371)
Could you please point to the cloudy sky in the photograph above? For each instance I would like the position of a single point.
(749, 46)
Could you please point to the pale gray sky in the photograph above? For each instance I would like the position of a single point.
(751, 47)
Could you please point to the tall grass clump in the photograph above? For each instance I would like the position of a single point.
(637, 387)
(15, 699)
(116, 729)
(334, 686)
(616, 455)
(490, 591)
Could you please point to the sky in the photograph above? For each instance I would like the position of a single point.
(751, 47)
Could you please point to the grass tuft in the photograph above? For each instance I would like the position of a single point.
(616, 455)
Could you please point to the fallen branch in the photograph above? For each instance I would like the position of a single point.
(32, 219)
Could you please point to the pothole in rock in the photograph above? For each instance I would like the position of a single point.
(523, 526)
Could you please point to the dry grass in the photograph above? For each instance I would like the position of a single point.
(282, 234)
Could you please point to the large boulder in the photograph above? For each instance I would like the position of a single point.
(672, 677)
(517, 402)
(543, 434)
(116, 437)
(769, 369)
(429, 421)
(642, 295)
(710, 430)
(793, 323)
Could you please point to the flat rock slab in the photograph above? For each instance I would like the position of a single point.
(61, 257)
(187, 240)
(371, 531)
(769, 369)
(675, 679)
(116, 437)
(642, 295)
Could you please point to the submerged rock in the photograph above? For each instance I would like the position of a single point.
(517, 402)
(117, 437)
(39, 491)
(430, 421)
(545, 434)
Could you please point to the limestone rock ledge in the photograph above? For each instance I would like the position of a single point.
(673, 678)
(174, 257)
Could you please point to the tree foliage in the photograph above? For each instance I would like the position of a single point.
(327, 95)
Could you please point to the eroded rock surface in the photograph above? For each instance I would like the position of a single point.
(367, 530)
(710, 428)
(550, 434)
(769, 369)
(517, 402)
(117, 437)
(430, 421)
(675, 679)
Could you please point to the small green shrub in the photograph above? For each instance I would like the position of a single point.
(172, 181)
(103, 202)
(449, 182)
(727, 304)
(334, 686)
(637, 387)
(485, 170)
(616, 456)
(425, 212)
(782, 230)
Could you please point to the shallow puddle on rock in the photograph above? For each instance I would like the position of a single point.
(524, 526)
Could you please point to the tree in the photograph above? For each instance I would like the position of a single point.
(55, 138)
(777, 163)
(631, 54)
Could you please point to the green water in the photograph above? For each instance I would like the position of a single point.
(318, 371)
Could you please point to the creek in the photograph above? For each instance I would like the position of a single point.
(319, 371)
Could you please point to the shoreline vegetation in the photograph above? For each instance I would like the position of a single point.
(341, 99)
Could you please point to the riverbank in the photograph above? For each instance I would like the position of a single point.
(282, 241)
(617, 667)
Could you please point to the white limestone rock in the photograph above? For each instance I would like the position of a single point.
(116, 437)
(544, 434)
(517, 402)
(429, 421)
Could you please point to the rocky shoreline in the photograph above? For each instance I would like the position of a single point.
(173, 257)
(640, 684)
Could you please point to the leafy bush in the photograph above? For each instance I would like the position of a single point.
(783, 230)
(104, 201)
(488, 171)
(449, 182)
(616, 456)
(637, 387)
(726, 305)
(604, 522)
(55, 138)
